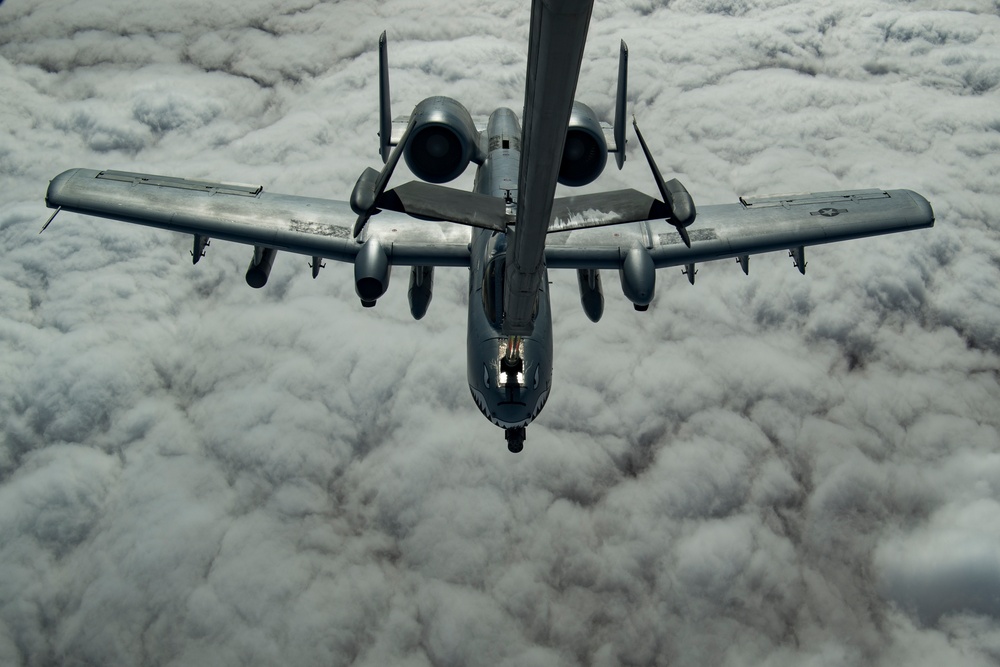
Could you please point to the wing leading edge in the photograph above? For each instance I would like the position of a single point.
(246, 214)
(585, 232)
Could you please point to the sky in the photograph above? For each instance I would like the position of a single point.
(770, 469)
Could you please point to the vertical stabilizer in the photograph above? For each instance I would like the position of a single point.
(620, 105)
(384, 113)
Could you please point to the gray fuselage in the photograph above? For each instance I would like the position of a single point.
(509, 397)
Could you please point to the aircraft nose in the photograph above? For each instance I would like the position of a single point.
(510, 415)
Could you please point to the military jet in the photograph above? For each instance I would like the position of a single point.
(511, 229)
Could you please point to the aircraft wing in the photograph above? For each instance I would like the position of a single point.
(246, 214)
(754, 225)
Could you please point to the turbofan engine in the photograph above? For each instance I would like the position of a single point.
(442, 142)
(585, 152)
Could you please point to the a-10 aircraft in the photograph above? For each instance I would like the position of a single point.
(511, 229)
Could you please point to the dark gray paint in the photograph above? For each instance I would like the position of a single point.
(555, 50)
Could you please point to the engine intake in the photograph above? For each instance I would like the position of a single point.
(585, 152)
(442, 142)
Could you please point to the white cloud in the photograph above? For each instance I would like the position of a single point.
(766, 469)
(950, 565)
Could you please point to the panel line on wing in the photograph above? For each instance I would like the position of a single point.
(241, 189)
(808, 199)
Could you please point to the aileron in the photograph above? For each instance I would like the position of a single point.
(134, 178)
(813, 198)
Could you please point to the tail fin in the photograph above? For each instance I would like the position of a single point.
(620, 121)
(384, 114)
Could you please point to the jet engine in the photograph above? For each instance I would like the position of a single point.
(442, 142)
(371, 272)
(638, 275)
(585, 152)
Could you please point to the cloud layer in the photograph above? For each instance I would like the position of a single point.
(760, 470)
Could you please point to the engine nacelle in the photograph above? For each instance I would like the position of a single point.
(260, 266)
(442, 142)
(585, 152)
(638, 275)
(371, 272)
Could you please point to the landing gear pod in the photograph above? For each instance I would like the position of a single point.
(421, 285)
(591, 295)
(638, 276)
(260, 266)
(371, 273)
(363, 195)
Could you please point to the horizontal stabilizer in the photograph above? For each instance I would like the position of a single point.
(604, 208)
(437, 202)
